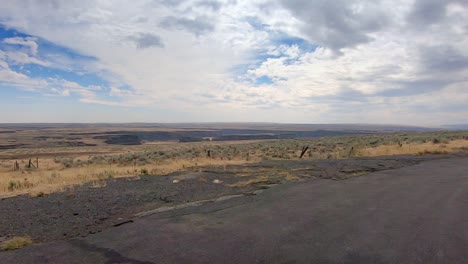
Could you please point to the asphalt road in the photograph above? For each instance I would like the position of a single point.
(416, 214)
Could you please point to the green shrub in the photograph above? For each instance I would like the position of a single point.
(12, 185)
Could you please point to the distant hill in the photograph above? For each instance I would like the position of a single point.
(456, 127)
(226, 127)
(139, 133)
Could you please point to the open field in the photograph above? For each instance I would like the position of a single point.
(71, 156)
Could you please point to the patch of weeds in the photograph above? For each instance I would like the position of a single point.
(434, 152)
(16, 243)
(289, 177)
(109, 174)
(12, 185)
(18, 185)
(144, 171)
(262, 179)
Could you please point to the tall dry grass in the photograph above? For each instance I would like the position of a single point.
(413, 148)
(57, 178)
(53, 176)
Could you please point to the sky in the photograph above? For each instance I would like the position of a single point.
(289, 61)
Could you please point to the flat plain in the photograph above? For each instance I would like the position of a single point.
(63, 181)
(38, 159)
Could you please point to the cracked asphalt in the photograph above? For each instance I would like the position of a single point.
(413, 214)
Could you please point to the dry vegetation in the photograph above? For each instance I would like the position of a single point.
(16, 243)
(64, 167)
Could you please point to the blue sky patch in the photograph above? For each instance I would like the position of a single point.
(303, 44)
(263, 80)
(39, 71)
(57, 63)
(259, 57)
(10, 33)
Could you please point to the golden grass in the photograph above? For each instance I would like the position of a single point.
(272, 175)
(413, 149)
(56, 178)
(288, 176)
(261, 179)
(16, 243)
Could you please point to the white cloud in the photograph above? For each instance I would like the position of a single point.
(29, 42)
(373, 58)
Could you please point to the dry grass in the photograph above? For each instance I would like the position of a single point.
(44, 181)
(261, 179)
(53, 176)
(414, 148)
(271, 175)
(16, 243)
(288, 176)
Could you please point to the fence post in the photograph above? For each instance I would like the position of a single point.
(304, 149)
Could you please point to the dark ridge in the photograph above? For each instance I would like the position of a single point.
(11, 146)
(121, 139)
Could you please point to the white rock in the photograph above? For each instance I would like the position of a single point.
(217, 181)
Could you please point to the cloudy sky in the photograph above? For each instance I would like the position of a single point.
(295, 61)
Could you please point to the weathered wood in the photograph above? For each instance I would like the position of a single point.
(304, 150)
(351, 152)
(31, 165)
